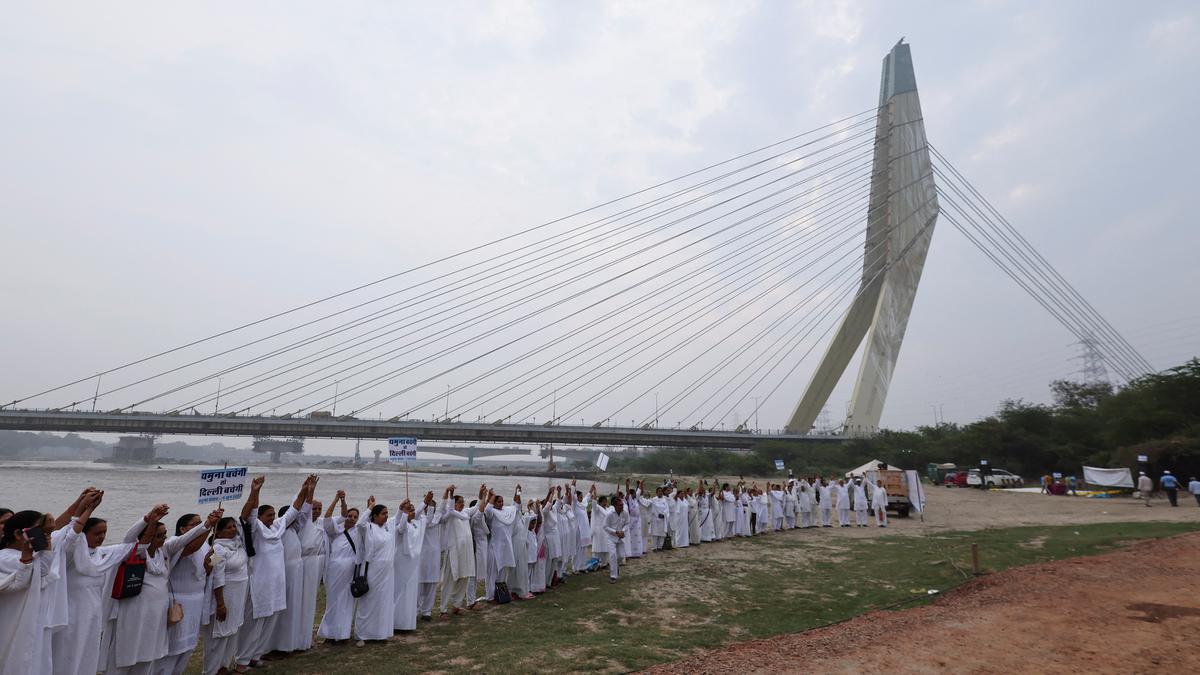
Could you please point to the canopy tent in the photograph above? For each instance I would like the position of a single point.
(1108, 477)
(873, 465)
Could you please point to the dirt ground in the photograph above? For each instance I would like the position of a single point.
(971, 509)
(1136, 610)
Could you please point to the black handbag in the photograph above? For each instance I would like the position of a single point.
(503, 597)
(667, 543)
(359, 585)
(130, 574)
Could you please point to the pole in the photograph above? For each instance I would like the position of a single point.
(97, 394)
(447, 402)
(975, 559)
(219, 502)
(217, 404)
(335, 397)
(406, 478)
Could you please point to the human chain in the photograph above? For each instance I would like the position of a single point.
(247, 584)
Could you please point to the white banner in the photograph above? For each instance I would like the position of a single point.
(916, 491)
(779, 465)
(401, 449)
(602, 461)
(222, 484)
(1108, 477)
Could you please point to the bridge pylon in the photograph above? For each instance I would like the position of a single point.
(903, 210)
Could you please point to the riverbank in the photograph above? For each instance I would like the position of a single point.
(680, 604)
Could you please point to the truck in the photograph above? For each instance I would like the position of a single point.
(896, 484)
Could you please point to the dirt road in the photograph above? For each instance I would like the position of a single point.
(1132, 611)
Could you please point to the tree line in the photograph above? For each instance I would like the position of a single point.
(1092, 423)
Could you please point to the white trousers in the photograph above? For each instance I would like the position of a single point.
(791, 521)
(881, 517)
(254, 638)
(425, 597)
(173, 664)
(657, 542)
(806, 519)
(826, 517)
(219, 652)
(843, 517)
(861, 517)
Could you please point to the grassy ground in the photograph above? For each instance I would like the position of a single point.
(672, 605)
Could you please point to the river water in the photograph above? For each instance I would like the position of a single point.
(130, 490)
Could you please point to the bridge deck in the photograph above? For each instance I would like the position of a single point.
(203, 425)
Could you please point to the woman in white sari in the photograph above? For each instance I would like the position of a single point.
(187, 585)
(340, 531)
(21, 627)
(89, 567)
(140, 634)
(374, 619)
(230, 588)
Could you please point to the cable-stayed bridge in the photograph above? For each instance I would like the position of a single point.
(682, 308)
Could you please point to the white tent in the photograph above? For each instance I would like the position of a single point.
(871, 466)
(1108, 477)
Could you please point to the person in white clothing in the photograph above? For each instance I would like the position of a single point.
(268, 583)
(616, 522)
(338, 619)
(188, 583)
(410, 537)
(429, 571)
(458, 565)
(290, 628)
(479, 538)
(804, 505)
(842, 498)
(89, 562)
(21, 629)
(501, 561)
(861, 505)
(879, 502)
(230, 589)
(553, 544)
(635, 544)
(375, 613)
(140, 634)
(778, 499)
(314, 548)
(789, 505)
(825, 502)
(537, 549)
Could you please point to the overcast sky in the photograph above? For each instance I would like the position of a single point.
(168, 171)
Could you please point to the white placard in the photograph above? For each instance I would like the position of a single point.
(1143, 458)
(401, 449)
(779, 465)
(602, 461)
(983, 462)
(222, 484)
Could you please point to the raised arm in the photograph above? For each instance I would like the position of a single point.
(72, 510)
(176, 544)
(251, 504)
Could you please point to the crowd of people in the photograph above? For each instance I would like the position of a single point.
(244, 588)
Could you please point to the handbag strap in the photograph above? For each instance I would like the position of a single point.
(350, 540)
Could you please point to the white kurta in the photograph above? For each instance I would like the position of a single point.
(520, 540)
(314, 546)
(879, 498)
(291, 632)
(729, 507)
(705, 515)
(229, 557)
(660, 510)
(187, 588)
(410, 537)
(460, 544)
(500, 543)
(431, 548)
(140, 634)
(20, 613)
(682, 534)
(600, 543)
(338, 619)
(375, 616)
(77, 648)
(268, 574)
(479, 536)
(550, 531)
(636, 543)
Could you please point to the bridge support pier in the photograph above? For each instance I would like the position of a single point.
(138, 449)
(902, 214)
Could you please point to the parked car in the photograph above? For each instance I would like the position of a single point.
(1002, 478)
(955, 479)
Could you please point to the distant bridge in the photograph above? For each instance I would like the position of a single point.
(532, 434)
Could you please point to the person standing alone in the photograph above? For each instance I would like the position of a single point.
(1170, 485)
(1194, 488)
